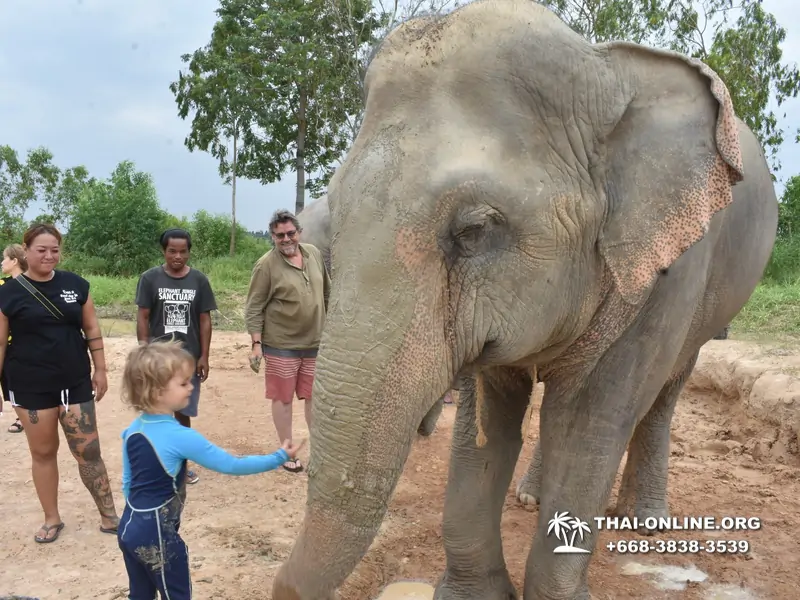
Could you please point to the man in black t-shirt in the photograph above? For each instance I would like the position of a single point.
(175, 301)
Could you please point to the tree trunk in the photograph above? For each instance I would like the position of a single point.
(233, 195)
(300, 165)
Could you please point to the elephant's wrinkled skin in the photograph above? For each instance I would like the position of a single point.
(316, 222)
(518, 197)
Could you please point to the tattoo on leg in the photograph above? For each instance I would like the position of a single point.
(33, 416)
(95, 477)
(81, 433)
(87, 421)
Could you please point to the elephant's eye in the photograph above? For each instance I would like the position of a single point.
(471, 231)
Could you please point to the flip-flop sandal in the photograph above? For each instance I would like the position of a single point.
(112, 530)
(297, 467)
(47, 530)
(15, 427)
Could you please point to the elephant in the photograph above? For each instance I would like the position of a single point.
(315, 219)
(316, 222)
(520, 204)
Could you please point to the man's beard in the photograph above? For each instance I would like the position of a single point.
(289, 249)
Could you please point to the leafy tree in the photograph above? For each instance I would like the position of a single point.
(289, 91)
(36, 178)
(789, 209)
(215, 87)
(745, 52)
(118, 221)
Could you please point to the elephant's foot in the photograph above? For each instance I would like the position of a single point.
(527, 492)
(651, 515)
(536, 594)
(492, 586)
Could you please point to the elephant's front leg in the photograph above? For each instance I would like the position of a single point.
(583, 435)
(478, 480)
(643, 492)
(585, 426)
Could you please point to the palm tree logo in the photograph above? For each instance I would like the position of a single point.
(561, 525)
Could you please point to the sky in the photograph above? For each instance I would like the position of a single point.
(89, 79)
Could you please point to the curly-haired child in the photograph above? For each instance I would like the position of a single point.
(155, 448)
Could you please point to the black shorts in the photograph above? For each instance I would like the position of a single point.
(78, 394)
(4, 389)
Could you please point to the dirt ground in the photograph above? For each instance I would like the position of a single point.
(734, 453)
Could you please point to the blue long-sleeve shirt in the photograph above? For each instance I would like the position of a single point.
(155, 449)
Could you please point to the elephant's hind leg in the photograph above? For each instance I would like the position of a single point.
(644, 481)
(477, 484)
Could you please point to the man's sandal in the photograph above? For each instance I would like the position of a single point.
(296, 468)
(15, 427)
(47, 530)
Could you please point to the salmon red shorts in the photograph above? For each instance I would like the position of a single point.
(288, 372)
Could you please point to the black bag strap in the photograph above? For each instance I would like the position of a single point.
(49, 306)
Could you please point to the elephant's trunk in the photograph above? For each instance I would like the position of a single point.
(369, 398)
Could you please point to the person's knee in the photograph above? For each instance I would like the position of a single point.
(44, 451)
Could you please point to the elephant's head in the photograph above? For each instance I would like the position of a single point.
(508, 179)
(316, 221)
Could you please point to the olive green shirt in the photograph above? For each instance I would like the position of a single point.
(287, 304)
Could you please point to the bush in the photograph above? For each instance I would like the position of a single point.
(211, 236)
(115, 224)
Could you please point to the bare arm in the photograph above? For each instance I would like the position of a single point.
(143, 325)
(3, 339)
(94, 337)
(205, 334)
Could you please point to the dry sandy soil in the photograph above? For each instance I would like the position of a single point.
(734, 453)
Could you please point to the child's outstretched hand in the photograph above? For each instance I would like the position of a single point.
(293, 449)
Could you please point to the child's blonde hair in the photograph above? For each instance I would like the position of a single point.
(149, 369)
(17, 252)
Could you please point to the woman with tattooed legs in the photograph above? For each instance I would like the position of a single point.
(49, 376)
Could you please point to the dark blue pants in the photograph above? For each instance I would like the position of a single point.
(156, 556)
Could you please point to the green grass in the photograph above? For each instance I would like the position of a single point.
(773, 312)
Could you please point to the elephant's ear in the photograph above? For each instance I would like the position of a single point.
(672, 156)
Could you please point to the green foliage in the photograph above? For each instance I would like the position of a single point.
(211, 236)
(36, 178)
(278, 78)
(637, 21)
(745, 52)
(117, 222)
(789, 211)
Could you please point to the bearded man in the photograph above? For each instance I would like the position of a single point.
(285, 313)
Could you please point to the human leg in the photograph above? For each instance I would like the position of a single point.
(184, 417)
(79, 423)
(305, 385)
(280, 379)
(16, 426)
(41, 431)
(141, 583)
(174, 579)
